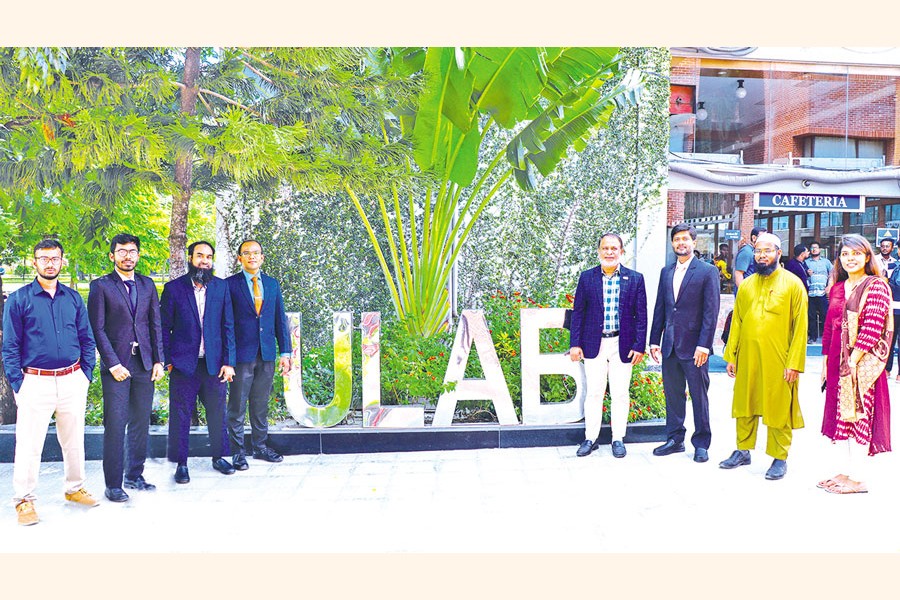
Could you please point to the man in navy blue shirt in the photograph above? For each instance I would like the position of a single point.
(48, 357)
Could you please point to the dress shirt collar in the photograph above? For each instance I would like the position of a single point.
(123, 277)
(683, 266)
(36, 288)
(615, 273)
(249, 277)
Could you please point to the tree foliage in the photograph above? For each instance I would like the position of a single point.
(555, 98)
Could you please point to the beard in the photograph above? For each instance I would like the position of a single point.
(198, 275)
(764, 269)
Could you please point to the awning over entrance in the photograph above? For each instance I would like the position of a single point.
(701, 175)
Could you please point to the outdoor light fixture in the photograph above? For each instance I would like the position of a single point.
(740, 92)
(701, 112)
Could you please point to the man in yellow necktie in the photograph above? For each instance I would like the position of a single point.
(259, 324)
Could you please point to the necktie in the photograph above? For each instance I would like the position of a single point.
(257, 296)
(132, 294)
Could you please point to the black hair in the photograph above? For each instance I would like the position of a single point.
(799, 249)
(48, 244)
(190, 249)
(683, 227)
(758, 230)
(248, 241)
(122, 239)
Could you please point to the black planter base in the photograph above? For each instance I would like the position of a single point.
(350, 440)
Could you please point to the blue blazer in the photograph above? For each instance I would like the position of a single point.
(181, 325)
(691, 321)
(587, 313)
(257, 334)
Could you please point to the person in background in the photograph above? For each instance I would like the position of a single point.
(819, 271)
(894, 284)
(797, 266)
(885, 257)
(744, 265)
(855, 348)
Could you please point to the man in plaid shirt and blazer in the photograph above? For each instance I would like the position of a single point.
(608, 331)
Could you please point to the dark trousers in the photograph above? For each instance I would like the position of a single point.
(252, 385)
(890, 360)
(676, 373)
(183, 393)
(126, 422)
(818, 306)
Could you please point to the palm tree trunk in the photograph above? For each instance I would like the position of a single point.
(183, 170)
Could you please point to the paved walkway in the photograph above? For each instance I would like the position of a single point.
(498, 500)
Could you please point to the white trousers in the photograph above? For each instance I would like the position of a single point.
(607, 367)
(37, 400)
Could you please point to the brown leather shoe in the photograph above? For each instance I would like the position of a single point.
(27, 514)
(82, 497)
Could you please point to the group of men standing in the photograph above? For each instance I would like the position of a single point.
(765, 351)
(204, 331)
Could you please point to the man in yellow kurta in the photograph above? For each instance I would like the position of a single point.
(766, 352)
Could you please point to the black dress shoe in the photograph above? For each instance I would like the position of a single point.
(738, 458)
(268, 455)
(586, 447)
(181, 474)
(116, 495)
(701, 455)
(777, 470)
(239, 461)
(139, 483)
(670, 447)
(618, 449)
(222, 466)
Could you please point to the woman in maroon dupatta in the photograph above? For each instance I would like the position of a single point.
(855, 344)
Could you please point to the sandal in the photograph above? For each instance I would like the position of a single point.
(847, 487)
(837, 479)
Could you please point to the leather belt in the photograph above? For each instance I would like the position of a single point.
(53, 372)
(609, 334)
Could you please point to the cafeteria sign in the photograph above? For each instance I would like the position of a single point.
(810, 202)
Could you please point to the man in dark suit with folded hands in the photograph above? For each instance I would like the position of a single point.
(198, 343)
(608, 331)
(685, 316)
(259, 322)
(123, 307)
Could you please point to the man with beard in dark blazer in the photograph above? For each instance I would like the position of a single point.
(198, 344)
(123, 307)
(685, 316)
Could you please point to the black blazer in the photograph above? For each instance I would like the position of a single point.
(691, 321)
(115, 327)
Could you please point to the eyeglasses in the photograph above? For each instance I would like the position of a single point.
(249, 253)
(44, 261)
(122, 253)
(758, 251)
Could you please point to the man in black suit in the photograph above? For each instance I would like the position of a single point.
(123, 308)
(685, 316)
(259, 322)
